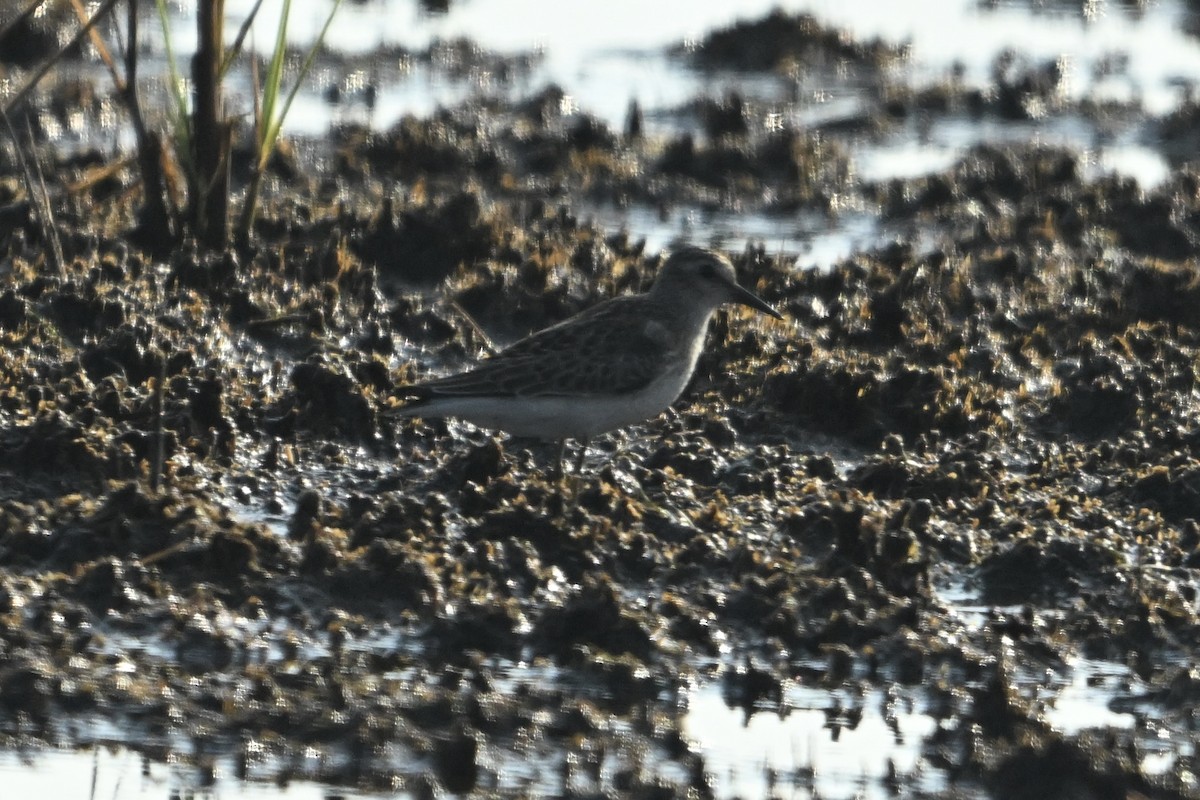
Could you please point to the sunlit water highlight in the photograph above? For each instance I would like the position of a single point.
(606, 56)
(805, 753)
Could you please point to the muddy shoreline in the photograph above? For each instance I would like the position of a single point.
(1008, 414)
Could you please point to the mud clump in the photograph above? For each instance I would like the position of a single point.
(779, 39)
(425, 245)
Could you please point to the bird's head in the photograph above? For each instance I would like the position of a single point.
(708, 279)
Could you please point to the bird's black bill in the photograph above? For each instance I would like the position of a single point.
(748, 298)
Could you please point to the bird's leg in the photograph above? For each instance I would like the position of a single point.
(560, 469)
(583, 443)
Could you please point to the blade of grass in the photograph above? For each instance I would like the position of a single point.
(161, 219)
(235, 49)
(269, 120)
(161, 225)
(47, 209)
(39, 197)
(270, 92)
(101, 47)
(180, 124)
(94, 175)
(273, 132)
(256, 91)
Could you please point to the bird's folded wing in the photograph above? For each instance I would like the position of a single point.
(598, 353)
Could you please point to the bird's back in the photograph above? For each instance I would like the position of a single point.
(611, 348)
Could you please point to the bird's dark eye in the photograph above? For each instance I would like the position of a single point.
(707, 270)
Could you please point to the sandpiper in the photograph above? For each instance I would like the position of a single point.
(622, 361)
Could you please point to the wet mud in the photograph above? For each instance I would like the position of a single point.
(212, 548)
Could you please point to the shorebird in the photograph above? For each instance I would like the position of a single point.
(622, 361)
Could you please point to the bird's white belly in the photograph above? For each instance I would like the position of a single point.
(558, 417)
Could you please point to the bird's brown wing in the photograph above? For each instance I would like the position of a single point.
(612, 348)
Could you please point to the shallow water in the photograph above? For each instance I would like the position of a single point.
(1108, 53)
(828, 743)
(811, 750)
(816, 241)
(115, 773)
(818, 741)
(605, 58)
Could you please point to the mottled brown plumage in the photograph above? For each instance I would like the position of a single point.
(607, 356)
(620, 362)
